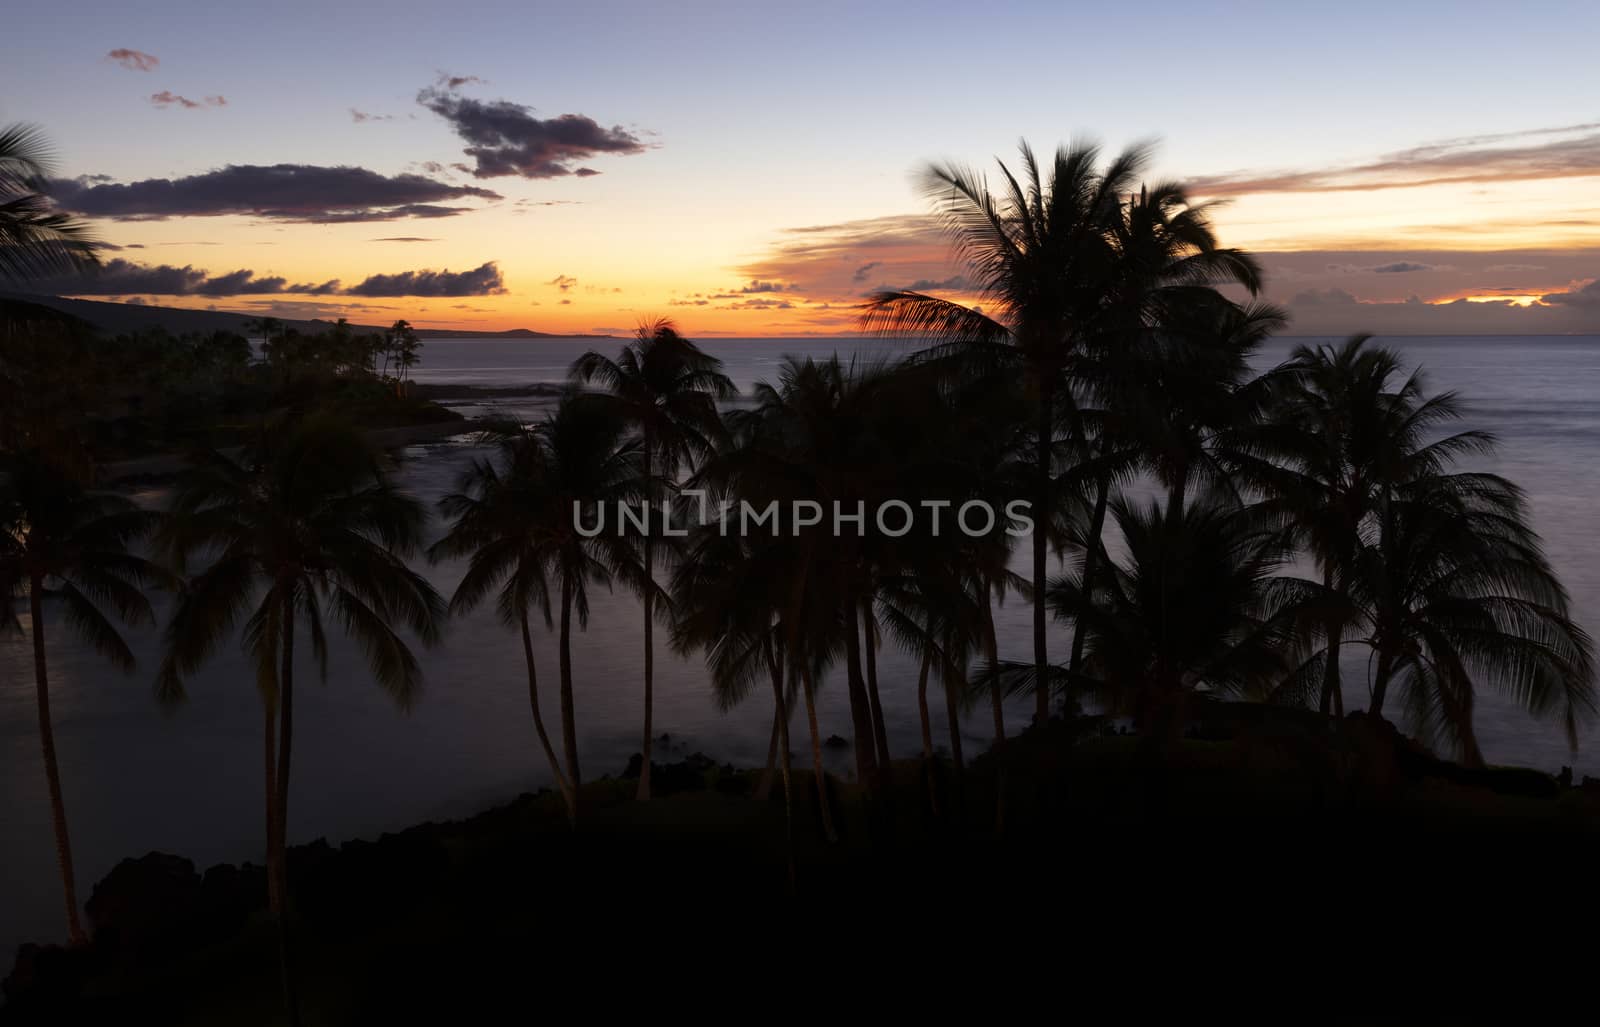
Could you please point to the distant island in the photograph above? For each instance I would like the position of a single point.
(136, 317)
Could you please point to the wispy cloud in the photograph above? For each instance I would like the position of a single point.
(167, 98)
(1569, 151)
(133, 60)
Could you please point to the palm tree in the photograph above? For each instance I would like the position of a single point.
(825, 434)
(1458, 594)
(667, 390)
(588, 467)
(500, 522)
(64, 544)
(1068, 271)
(1344, 425)
(1196, 605)
(305, 522)
(729, 604)
(36, 240)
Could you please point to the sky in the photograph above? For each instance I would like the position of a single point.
(750, 168)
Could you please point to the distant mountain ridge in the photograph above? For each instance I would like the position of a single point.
(135, 317)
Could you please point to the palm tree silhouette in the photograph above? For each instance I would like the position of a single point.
(1457, 593)
(589, 466)
(1070, 271)
(64, 544)
(1195, 605)
(36, 240)
(502, 522)
(305, 522)
(1344, 424)
(666, 390)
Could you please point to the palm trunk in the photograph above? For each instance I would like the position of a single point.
(569, 724)
(1041, 520)
(769, 771)
(52, 773)
(1380, 685)
(269, 735)
(285, 737)
(1332, 694)
(285, 744)
(1091, 569)
(880, 734)
(991, 654)
(955, 680)
(649, 644)
(860, 709)
(927, 731)
(1175, 497)
(538, 719)
(808, 688)
(782, 724)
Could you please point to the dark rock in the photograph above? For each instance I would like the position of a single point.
(145, 903)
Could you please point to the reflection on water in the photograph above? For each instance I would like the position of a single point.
(188, 781)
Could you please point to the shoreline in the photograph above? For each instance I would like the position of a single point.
(163, 465)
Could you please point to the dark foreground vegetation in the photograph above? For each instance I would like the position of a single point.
(1299, 834)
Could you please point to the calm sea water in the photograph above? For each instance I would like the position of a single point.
(138, 779)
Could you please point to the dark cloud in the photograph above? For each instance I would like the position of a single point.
(133, 60)
(1402, 267)
(405, 238)
(864, 270)
(954, 282)
(287, 192)
(505, 138)
(758, 286)
(484, 280)
(359, 116)
(1588, 296)
(1506, 157)
(563, 282)
(119, 277)
(167, 98)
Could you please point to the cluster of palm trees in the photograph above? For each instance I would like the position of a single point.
(1105, 381)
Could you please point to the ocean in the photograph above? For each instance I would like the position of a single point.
(138, 779)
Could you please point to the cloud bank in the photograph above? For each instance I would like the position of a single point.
(120, 277)
(286, 192)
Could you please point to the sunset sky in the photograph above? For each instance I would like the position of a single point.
(747, 168)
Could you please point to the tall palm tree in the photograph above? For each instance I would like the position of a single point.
(590, 469)
(36, 239)
(501, 522)
(667, 390)
(62, 544)
(822, 434)
(1067, 269)
(305, 523)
